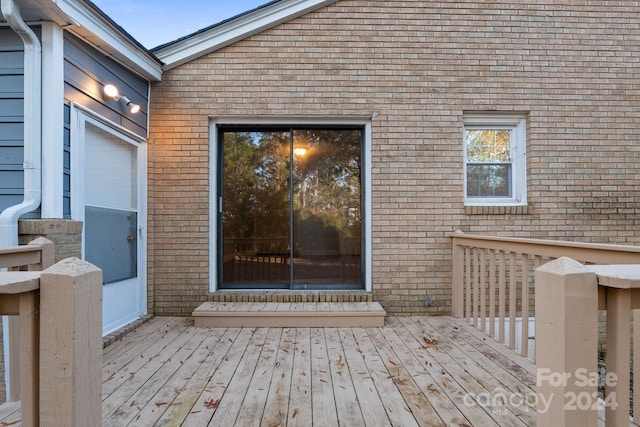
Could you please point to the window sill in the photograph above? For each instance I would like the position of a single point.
(497, 210)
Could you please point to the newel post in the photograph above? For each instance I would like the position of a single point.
(457, 276)
(566, 343)
(71, 344)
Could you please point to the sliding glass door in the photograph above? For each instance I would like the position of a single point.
(290, 208)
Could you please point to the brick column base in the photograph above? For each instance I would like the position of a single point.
(66, 234)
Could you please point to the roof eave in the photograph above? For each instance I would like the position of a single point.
(101, 32)
(228, 32)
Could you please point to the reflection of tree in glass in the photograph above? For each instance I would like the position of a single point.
(255, 185)
(488, 146)
(327, 179)
(256, 181)
(488, 167)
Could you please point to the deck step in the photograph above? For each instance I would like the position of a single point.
(284, 315)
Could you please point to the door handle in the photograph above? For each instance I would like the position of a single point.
(131, 238)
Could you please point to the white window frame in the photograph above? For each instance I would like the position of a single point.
(516, 125)
(214, 201)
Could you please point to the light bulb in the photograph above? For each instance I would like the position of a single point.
(111, 91)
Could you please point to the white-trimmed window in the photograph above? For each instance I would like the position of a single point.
(494, 160)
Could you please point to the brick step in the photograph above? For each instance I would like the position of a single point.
(290, 296)
(287, 315)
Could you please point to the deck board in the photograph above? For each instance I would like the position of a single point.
(486, 379)
(348, 413)
(413, 371)
(322, 398)
(418, 370)
(369, 400)
(300, 411)
(397, 410)
(255, 398)
(276, 408)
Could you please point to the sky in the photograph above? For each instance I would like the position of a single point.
(155, 22)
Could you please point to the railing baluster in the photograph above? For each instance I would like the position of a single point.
(636, 366)
(492, 293)
(538, 261)
(512, 300)
(483, 284)
(467, 282)
(524, 350)
(457, 277)
(475, 295)
(501, 295)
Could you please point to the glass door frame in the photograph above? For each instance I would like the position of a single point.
(287, 124)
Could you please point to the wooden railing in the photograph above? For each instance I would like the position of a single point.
(569, 295)
(36, 256)
(492, 279)
(59, 339)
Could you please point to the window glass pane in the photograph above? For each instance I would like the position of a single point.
(327, 211)
(488, 146)
(109, 244)
(255, 221)
(265, 197)
(489, 180)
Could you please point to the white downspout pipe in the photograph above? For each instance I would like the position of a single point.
(32, 147)
(32, 126)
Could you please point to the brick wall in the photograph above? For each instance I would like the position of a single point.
(414, 68)
(65, 234)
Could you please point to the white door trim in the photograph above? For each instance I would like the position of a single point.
(214, 197)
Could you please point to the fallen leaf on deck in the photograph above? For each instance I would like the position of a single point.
(211, 404)
(430, 341)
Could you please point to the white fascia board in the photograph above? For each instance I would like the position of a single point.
(200, 44)
(94, 28)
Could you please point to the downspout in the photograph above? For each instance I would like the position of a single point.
(32, 126)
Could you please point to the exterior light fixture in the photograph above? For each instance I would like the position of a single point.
(300, 151)
(112, 92)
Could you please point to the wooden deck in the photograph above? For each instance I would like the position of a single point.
(426, 371)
